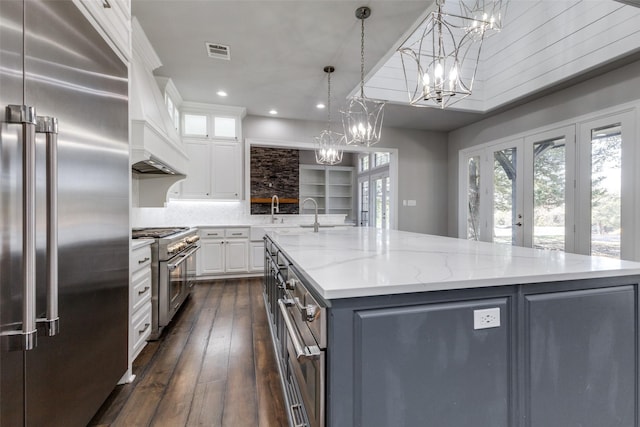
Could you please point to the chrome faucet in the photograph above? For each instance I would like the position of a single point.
(275, 208)
(316, 225)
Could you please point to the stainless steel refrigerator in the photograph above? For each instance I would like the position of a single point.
(64, 259)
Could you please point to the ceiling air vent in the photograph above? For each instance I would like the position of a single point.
(219, 51)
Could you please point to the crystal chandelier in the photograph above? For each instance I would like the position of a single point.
(486, 16)
(362, 119)
(440, 66)
(329, 145)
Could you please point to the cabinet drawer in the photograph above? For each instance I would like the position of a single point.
(211, 233)
(236, 232)
(140, 289)
(140, 330)
(140, 258)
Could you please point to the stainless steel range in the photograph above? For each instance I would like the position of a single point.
(173, 269)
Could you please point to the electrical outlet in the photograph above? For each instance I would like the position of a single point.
(486, 318)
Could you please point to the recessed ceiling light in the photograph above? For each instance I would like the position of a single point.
(320, 106)
(221, 93)
(273, 112)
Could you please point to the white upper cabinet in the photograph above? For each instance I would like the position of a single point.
(215, 171)
(212, 136)
(112, 19)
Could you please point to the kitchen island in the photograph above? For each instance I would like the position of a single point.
(434, 331)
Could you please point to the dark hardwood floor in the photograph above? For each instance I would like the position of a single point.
(213, 366)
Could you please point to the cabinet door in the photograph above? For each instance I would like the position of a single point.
(579, 346)
(257, 256)
(112, 22)
(226, 170)
(197, 184)
(236, 252)
(211, 256)
(427, 366)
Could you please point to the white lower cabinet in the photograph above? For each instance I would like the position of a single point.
(257, 256)
(223, 251)
(139, 302)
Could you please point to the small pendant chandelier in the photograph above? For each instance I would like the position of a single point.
(486, 16)
(362, 119)
(329, 146)
(440, 66)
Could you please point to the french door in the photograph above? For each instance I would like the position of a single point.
(605, 183)
(381, 200)
(548, 219)
(568, 189)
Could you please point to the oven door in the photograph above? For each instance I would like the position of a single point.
(306, 362)
(174, 285)
(191, 266)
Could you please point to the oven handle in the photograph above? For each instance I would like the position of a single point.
(183, 258)
(302, 352)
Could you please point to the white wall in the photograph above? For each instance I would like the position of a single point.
(422, 166)
(605, 91)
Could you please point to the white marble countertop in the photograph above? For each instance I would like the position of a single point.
(139, 243)
(358, 262)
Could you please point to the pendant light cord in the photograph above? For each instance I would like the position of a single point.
(362, 58)
(329, 101)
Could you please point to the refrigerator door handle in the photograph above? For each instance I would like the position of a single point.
(49, 126)
(25, 338)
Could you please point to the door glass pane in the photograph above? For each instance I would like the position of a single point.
(387, 202)
(364, 203)
(473, 199)
(504, 195)
(549, 194)
(606, 172)
(378, 189)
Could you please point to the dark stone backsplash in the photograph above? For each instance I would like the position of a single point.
(275, 171)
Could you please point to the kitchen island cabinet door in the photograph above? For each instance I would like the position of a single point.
(426, 365)
(579, 348)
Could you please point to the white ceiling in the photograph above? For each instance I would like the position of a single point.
(279, 49)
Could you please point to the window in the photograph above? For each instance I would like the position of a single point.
(363, 162)
(195, 124)
(380, 159)
(210, 125)
(224, 127)
(174, 113)
(170, 107)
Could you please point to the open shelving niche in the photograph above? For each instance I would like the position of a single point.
(331, 186)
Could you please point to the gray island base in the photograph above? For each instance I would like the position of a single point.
(553, 342)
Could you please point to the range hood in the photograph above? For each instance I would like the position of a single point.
(152, 166)
(158, 156)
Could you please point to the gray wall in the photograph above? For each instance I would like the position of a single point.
(608, 90)
(422, 166)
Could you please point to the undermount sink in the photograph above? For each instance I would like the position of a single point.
(258, 231)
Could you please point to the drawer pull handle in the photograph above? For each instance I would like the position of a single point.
(213, 234)
(142, 261)
(236, 234)
(146, 288)
(142, 331)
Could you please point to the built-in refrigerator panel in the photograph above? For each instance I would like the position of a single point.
(71, 74)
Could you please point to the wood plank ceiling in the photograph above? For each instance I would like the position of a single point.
(543, 43)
